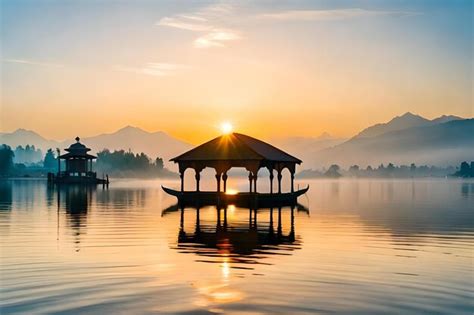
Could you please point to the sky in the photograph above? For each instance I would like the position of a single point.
(271, 68)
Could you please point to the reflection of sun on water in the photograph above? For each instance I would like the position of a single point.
(225, 268)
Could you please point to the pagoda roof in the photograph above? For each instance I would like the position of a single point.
(77, 154)
(236, 147)
(77, 150)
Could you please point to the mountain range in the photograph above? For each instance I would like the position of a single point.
(405, 139)
(154, 144)
(446, 140)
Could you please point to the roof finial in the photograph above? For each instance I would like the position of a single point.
(77, 139)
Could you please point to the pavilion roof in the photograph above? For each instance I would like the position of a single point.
(77, 154)
(236, 147)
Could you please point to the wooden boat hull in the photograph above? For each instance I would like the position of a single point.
(240, 199)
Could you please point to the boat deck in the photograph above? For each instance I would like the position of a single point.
(246, 199)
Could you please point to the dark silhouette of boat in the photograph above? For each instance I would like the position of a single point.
(244, 199)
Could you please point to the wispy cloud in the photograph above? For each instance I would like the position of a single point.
(32, 62)
(185, 22)
(213, 22)
(156, 69)
(210, 21)
(322, 15)
(216, 38)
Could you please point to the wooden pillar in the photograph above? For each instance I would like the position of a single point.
(224, 178)
(271, 181)
(198, 177)
(279, 181)
(255, 183)
(218, 178)
(181, 176)
(59, 160)
(292, 181)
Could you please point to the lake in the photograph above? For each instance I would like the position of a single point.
(350, 246)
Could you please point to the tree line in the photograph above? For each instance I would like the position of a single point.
(391, 170)
(116, 163)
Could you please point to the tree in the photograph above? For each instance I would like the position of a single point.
(6, 160)
(49, 160)
(354, 170)
(333, 171)
(159, 163)
(464, 170)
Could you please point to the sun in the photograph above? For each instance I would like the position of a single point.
(226, 127)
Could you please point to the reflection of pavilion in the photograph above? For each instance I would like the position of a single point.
(76, 200)
(239, 243)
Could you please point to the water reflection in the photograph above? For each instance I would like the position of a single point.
(233, 242)
(370, 247)
(76, 200)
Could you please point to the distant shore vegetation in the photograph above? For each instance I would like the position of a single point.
(465, 170)
(118, 163)
(18, 162)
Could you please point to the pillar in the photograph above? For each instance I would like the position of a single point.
(292, 181)
(181, 176)
(271, 181)
(198, 177)
(224, 178)
(279, 181)
(218, 178)
(255, 183)
(59, 160)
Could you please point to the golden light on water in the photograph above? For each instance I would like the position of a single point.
(227, 128)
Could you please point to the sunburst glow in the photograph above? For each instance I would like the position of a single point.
(226, 127)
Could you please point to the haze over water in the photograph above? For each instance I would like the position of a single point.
(356, 246)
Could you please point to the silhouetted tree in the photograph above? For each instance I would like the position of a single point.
(6, 160)
(127, 163)
(159, 163)
(333, 171)
(29, 154)
(49, 160)
(465, 170)
(354, 170)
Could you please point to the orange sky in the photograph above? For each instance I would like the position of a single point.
(271, 71)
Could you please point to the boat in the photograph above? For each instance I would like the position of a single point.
(244, 199)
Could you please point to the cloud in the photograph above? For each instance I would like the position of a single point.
(209, 21)
(216, 38)
(156, 69)
(322, 15)
(34, 63)
(185, 22)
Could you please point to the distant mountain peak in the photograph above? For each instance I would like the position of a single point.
(130, 128)
(25, 131)
(445, 118)
(324, 136)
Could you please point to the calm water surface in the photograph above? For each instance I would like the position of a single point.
(351, 246)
